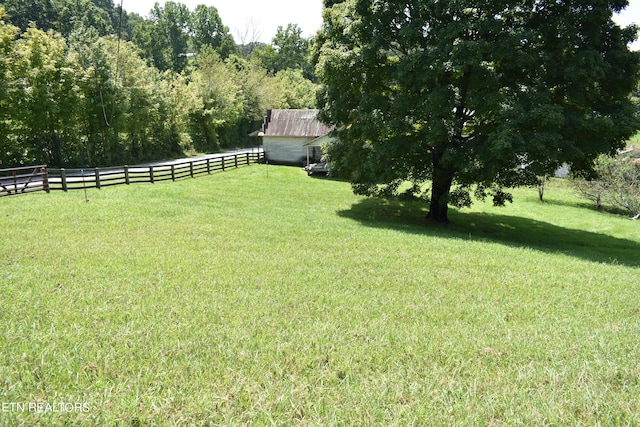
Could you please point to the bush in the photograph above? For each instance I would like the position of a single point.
(617, 184)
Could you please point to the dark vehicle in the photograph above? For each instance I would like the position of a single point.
(317, 169)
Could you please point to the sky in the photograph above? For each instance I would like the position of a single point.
(258, 20)
(258, 17)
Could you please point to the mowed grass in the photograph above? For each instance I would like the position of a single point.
(247, 298)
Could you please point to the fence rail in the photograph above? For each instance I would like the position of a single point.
(78, 179)
(23, 180)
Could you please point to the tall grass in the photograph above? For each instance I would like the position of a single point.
(247, 298)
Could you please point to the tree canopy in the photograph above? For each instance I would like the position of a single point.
(63, 16)
(472, 96)
(288, 51)
(83, 83)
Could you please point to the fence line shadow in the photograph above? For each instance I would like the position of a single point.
(518, 232)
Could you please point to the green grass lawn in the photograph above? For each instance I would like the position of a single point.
(242, 298)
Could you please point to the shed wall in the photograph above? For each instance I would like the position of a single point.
(280, 149)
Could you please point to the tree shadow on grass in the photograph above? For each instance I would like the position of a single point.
(591, 206)
(409, 217)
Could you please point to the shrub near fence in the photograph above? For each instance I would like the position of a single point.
(23, 180)
(78, 179)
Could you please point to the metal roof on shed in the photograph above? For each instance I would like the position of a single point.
(298, 123)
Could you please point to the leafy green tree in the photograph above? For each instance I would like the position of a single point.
(267, 56)
(257, 94)
(294, 90)
(472, 95)
(8, 34)
(292, 48)
(21, 13)
(164, 38)
(128, 112)
(101, 109)
(151, 122)
(72, 14)
(128, 23)
(149, 44)
(63, 16)
(207, 30)
(617, 183)
(45, 98)
(216, 105)
(11, 153)
(635, 96)
(288, 50)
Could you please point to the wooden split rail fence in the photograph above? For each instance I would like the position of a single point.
(23, 180)
(79, 179)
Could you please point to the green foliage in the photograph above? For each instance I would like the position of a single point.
(11, 152)
(98, 84)
(93, 102)
(85, 99)
(207, 30)
(617, 183)
(288, 51)
(46, 97)
(87, 14)
(215, 104)
(173, 34)
(63, 16)
(126, 22)
(22, 13)
(295, 91)
(267, 56)
(148, 127)
(472, 94)
(257, 93)
(635, 98)
(164, 38)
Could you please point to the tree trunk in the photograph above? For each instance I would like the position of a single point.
(541, 183)
(55, 152)
(440, 187)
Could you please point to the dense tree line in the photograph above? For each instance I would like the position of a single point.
(83, 83)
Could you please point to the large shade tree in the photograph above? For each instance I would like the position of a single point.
(472, 96)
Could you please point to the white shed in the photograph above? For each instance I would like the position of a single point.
(289, 136)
